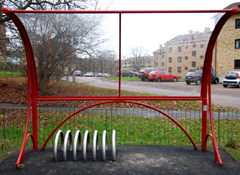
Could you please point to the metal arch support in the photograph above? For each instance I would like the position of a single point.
(68, 134)
(95, 145)
(56, 143)
(77, 144)
(86, 144)
(114, 156)
(104, 144)
(120, 101)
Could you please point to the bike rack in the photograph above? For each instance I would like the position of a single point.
(33, 95)
(76, 146)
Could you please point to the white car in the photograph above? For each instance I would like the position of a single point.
(232, 79)
(89, 74)
(106, 75)
(77, 72)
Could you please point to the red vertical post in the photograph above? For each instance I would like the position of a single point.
(34, 99)
(120, 64)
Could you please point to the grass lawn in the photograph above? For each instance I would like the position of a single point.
(124, 78)
(10, 73)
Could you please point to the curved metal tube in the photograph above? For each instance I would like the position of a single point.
(56, 143)
(95, 145)
(104, 144)
(114, 156)
(86, 144)
(77, 140)
(68, 134)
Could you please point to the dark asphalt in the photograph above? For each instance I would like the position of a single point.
(130, 160)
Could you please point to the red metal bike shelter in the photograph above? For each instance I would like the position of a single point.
(33, 97)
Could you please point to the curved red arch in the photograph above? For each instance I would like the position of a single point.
(22, 150)
(120, 101)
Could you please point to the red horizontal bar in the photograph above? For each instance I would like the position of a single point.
(120, 98)
(234, 10)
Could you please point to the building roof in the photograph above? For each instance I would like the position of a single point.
(232, 5)
(190, 37)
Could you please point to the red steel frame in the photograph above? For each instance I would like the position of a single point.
(205, 95)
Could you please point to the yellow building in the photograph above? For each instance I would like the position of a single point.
(186, 52)
(226, 56)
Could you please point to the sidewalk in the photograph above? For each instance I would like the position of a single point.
(130, 160)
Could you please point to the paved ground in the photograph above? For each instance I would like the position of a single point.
(223, 96)
(130, 160)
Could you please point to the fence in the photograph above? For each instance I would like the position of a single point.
(133, 126)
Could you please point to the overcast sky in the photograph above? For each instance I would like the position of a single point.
(151, 30)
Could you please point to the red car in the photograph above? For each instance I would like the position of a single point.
(162, 76)
(143, 74)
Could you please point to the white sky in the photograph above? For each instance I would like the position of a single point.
(151, 30)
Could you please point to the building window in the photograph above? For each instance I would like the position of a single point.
(201, 46)
(201, 68)
(186, 57)
(237, 24)
(186, 68)
(162, 64)
(170, 69)
(201, 57)
(193, 53)
(170, 59)
(179, 69)
(237, 44)
(179, 49)
(170, 50)
(186, 47)
(194, 64)
(179, 59)
(194, 45)
(156, 64)
(236, 64)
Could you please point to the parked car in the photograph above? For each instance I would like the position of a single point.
(89, 74)
(232, 79)
(143, 74)
(77, 73)
(99, 74)
(195, 76)
(106, 75)
(162, 76)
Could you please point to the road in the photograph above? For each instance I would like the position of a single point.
(229, 96)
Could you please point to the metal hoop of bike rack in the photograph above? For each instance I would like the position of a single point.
(77, 140)
(76, 146)
(114, 156)
(104, 144)
(68, 134)
(56, 143)
(86, 144)
(95, 147)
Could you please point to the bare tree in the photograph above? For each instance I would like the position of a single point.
(6, 24)
(57, 41)
(138, 56)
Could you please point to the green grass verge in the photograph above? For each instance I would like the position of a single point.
(123, 78)
(10, 73)
(233, 152)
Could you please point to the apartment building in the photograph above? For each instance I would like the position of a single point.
(226, 56)
(186, 52)
(159, 58)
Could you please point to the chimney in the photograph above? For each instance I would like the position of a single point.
(196, 33)
(190, 32)
(160, 46)
(206, 30)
